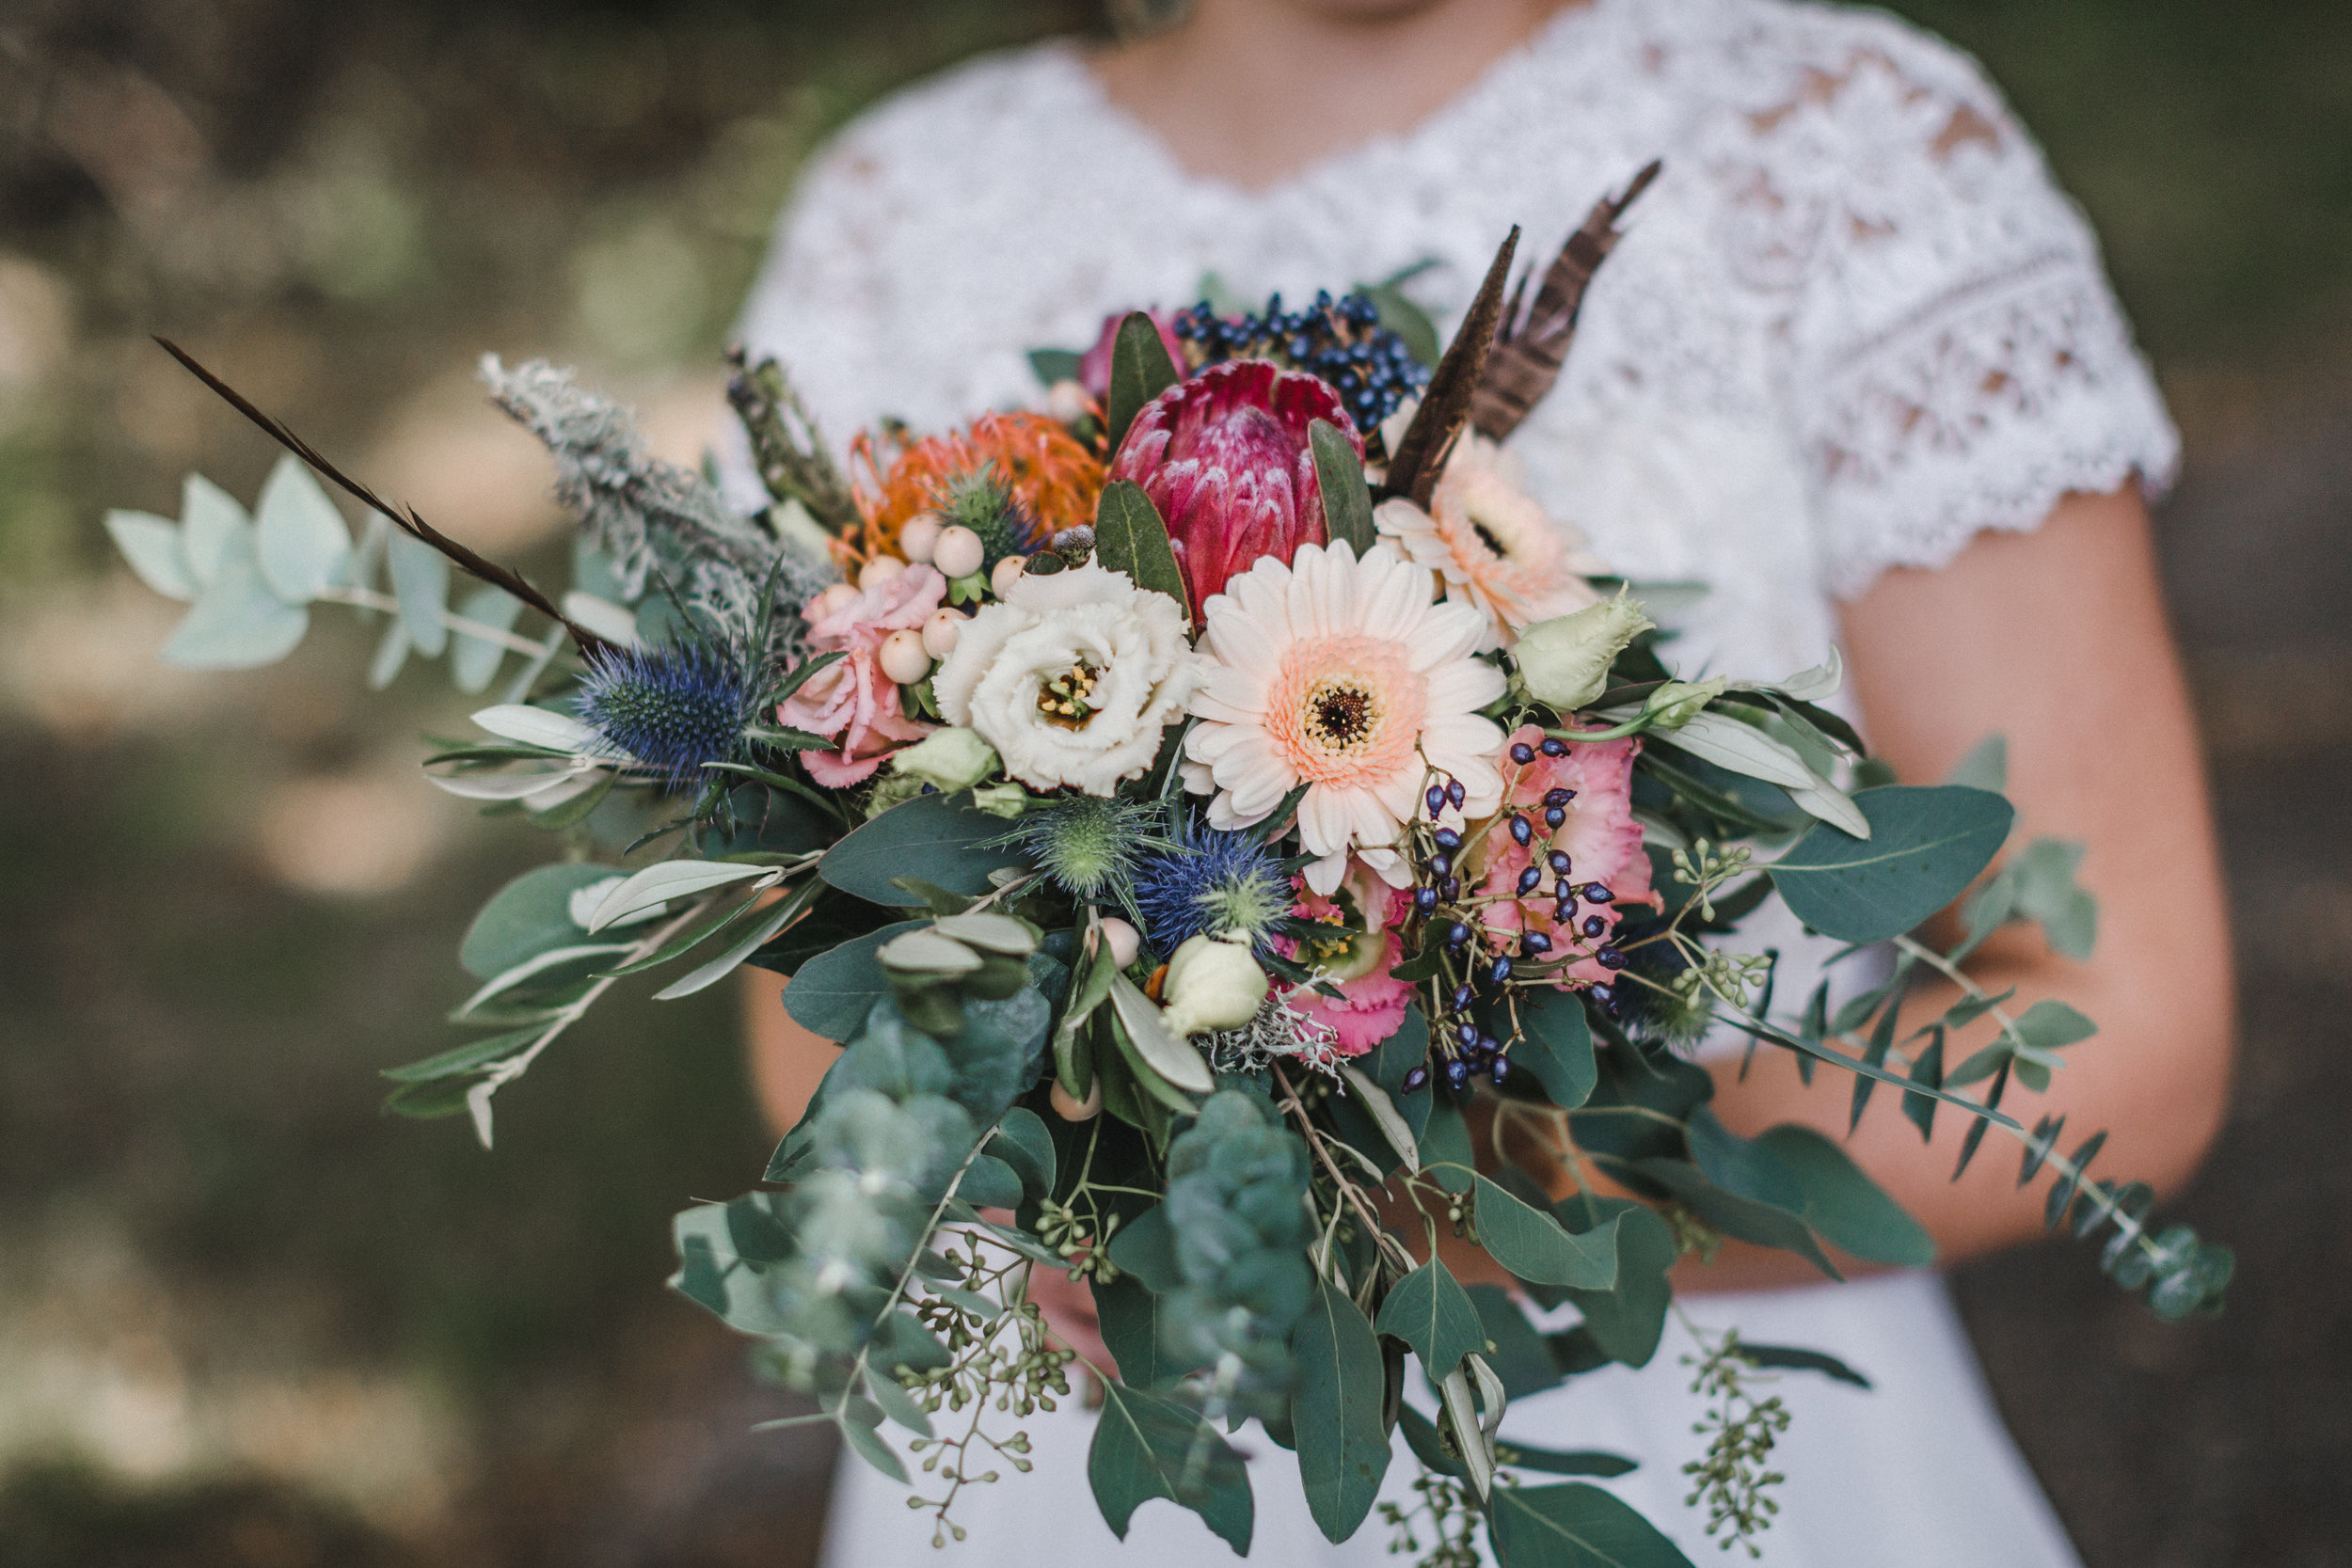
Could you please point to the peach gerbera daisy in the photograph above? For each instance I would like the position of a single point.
(1490, 545)
(1346, 676)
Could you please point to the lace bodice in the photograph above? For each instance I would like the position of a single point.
(1854, 323)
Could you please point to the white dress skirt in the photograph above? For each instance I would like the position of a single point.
(1853, 323)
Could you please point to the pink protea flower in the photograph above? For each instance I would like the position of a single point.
(1358, 958)
(1225, 458)
(1600, 836)
(1094, 366)
(851, 700)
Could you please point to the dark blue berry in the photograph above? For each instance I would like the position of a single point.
(1534, 943)
(1452, 888)
(1609, 957)
(1520, 830)
(1447, 839)
(1457, 1072)
(1556, 815)
(1440, 866)
(1434, 799)
(1500, 1069)
(1528, 878)
(1424, 899)
(1604, 993)
(1555, 747)
(1595, 892)
(1558, 797)
(1467, 1033)
(1454, 793)
(1559, 861)
(1456, 937)
(1522, 753)
(1594, 926)
(1461, 997)
(1416, 1079)
(1499, 971)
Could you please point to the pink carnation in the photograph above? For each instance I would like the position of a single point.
(851, 700)
(1602, 841)
(1371, 1005)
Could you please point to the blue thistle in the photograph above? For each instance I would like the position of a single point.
(1211, 882)
(675, 708)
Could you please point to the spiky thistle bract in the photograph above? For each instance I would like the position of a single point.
(1089, 844)
(982, 502)
(1208, 882)
(675, 708)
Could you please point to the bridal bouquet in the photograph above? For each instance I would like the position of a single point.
(1249, 856)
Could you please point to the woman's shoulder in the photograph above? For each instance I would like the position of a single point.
(976, 113)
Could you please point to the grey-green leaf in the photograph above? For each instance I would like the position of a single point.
(939, 838)
(1140, 371)
(1531, 1245)
(476, 660)
(831, 994)
(1336, 1411)
(1557, 1046)
(1148, 1446)
(236, 622)
(1926, 845)
(1429, 1311)
(1844, 1205)
(1129, 537)
(304, 540)
(151, 546)
(420, 579)
(1574, 1525)
(1340, 475)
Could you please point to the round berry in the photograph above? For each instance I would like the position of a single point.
(1500, 1069)
(1441, 865)
(1528, 878)
(1596, 893)
(1555, 747)
(1559, 863)
(1456, 794)
(1595, 925)
(1447, 839)
(1454, 938)
(1520, 830)
(1609, 957)
(1416, 1080)
(1500, 971)
(1557, 815)
(1424, 899)
(1534, 943)
(1522, 753)
(1558, 797)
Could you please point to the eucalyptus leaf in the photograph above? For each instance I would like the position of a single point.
(1429, 1311)
(1336, 1411)
(528, 917)
(1146, 1446)
(1128, 1313)
(1170, 1055)
(1531, 1244)
(236, 622)
(939, 837)
(1557, 1046)
(831, 994)
(1574, 1525)
(1926, 845)
(1023, 1141)
(1843, 1204)
(392, 652)
(475, 662)
(1383, 1114)
(151, 547)
(304, 541)
(1627, 1320)
(421, 581)
(210, 518)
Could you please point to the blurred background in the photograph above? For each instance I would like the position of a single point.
(244, 1319)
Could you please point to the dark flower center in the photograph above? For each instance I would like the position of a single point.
(1341, 714)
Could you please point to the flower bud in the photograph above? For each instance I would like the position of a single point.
(948, 759)
(903, 658)
(1006, 799)
(1677, 703)
(1565, 661)
(879, 571)
(920, 536)
(1121, 940)
(1212, 984)
(959, 553)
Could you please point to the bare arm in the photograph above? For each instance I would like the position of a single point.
(2057, 639)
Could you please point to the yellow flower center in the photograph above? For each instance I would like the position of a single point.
(1341, 714)
(1067, 698)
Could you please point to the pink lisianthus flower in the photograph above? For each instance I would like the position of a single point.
(850, 700)
(1094, 366)
(1358, 958)
(1225, 458)
(1601, 837)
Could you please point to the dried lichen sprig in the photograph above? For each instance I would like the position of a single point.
(1529, 349)
(408, 522)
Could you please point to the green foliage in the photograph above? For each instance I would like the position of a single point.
(1140, 371)
(1131, 537)
(1336, 1411)
(1339, 477)
(1234, 1185)
(1574, 1525)
(1146, 1446)
(1926, 845)
(939, 838)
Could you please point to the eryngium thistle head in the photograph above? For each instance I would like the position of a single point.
(985, 504)
(1212, 883)
(674, 709)
(1089, 844)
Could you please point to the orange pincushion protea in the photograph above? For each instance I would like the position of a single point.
(1054, 477)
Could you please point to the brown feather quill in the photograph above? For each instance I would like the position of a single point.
(1445, 405)
(408, 523)
(1531, 348)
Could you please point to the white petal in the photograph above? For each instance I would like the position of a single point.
(1324, 875)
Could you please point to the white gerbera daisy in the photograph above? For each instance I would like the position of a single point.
(1341, 675)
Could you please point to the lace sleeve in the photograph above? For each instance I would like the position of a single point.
(1959, 361)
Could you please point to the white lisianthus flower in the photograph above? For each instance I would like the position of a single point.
(1564, 661)
(1070, 676)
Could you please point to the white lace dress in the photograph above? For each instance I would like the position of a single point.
(1853, 323)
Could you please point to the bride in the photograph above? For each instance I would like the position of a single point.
(1856, 367)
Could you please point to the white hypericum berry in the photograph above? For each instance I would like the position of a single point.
(832, 601)
(1070, 1108)
(959, 553)
(1121, 940)
(941, 632)
(1068, 401)
(880, 570)
(902, 657)
(1008, 571)
(920, 537)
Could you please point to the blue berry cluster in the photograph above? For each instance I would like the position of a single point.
(1340, 341)
(1462, 1045)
